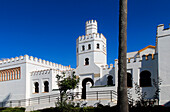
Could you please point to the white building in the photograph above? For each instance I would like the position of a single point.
(26, 77)
(92, 58)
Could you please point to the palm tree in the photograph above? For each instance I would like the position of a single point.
(122, 74)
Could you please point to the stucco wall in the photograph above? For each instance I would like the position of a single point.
(13, 89)
(163, 36)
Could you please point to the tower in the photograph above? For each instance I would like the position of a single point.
(91, 49)
(91, 27)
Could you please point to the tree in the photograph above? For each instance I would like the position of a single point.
(156, 84)
(67, 83)
(122, 73)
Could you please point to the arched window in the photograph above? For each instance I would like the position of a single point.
(46, 86)
(110, 80)
(145, 79)
(83, 48)
(87, 61)
(129, 80)
(98, 46)
(36, 85)
(89, 46)
(0, 76)
(4, 76)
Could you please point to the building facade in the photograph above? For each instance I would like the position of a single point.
(27, 77)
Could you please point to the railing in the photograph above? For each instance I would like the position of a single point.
(31, 101)
(109, 95)
(101, 95)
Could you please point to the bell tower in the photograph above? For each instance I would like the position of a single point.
(91, 48)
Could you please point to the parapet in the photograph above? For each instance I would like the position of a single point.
(93, 36)
(149, 57)
(137, 59)
(16, 59)
(35, 60)
(161, 31)
(91, 22)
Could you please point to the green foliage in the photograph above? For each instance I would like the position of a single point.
(2, 108)
(65, 84)
(65, 107)
(13, 109)
(68, 83)
(107, 109)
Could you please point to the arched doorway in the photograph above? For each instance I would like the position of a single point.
(84, 86)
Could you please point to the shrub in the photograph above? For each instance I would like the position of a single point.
(16, 109)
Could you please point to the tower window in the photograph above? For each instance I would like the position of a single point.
(98, 46)
(83, 48)
(87, 61)
(77, 50)
(46, 86)
(89, 46)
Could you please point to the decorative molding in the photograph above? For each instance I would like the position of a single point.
(10, 74)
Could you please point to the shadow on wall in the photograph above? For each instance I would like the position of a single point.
(4, 102)
(107, 79)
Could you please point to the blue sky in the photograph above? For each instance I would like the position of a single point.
(48, 29)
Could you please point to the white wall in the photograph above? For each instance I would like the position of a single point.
(23, 88)
(13, 89)
(135, 66)
(163, 36)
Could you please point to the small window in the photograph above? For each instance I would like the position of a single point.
(36, 85)
(110, 80)
(89, 46)
(87, 61)
(98, 46)
(77, 50)
(46, 86)
(83, 48)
